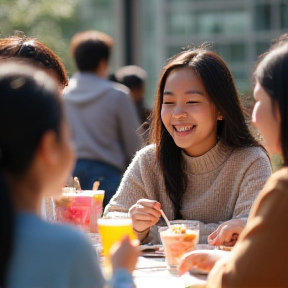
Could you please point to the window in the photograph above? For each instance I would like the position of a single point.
(262, 47)
(263, 17)
(222, 22)
(233, 53)
(208, 23)
(181, 23)
(236, 22)
(284, 15)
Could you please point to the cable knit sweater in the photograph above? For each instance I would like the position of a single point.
(222, 184)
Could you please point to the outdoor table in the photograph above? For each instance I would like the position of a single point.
(153, 273)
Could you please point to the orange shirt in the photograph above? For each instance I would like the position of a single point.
(260, 257)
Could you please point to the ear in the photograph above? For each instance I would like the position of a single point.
(219, 116)
(48, 149)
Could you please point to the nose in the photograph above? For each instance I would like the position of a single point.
(179, 112)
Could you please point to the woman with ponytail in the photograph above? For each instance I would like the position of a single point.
(36, 155)
(203, 163)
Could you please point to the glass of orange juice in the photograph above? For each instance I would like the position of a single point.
(114, 229)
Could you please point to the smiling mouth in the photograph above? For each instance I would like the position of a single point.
(184, 128)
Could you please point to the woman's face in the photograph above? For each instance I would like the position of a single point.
(188, 113)
(266, 118)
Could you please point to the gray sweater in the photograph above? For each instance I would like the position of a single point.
(103, 120)
(222, 184)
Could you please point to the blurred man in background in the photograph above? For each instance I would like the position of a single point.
(101, 115)
(134, 78)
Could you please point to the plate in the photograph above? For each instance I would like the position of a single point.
(150, 250)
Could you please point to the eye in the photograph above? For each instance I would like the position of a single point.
(168, 102)
(193, 102)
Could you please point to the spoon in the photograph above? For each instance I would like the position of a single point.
(165, 218)
(77, 184)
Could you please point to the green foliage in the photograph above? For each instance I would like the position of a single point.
(52, 22)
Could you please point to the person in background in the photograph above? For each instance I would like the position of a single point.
(259, 259)
(23, 48)
(36, 157)
(202, 164)
(134, 78)
(101, 115)
(28, 48)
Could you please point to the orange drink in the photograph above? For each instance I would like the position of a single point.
(177, 241)
(114, 229)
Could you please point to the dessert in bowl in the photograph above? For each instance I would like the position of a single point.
(178, 240)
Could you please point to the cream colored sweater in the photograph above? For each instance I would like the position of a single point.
(222, 184)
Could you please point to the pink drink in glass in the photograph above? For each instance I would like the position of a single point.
(80, 209)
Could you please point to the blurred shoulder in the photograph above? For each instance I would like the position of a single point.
(280, 178)
(252, 153)
(122, 89)
(277, 186)
(65, 236)
(147, 153)
(145, 157)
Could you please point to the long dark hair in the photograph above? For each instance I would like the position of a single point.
(232, 130)
(29, 106)
(272, 75)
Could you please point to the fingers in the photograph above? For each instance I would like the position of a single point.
(143, 210)
(213, 235)
(190, 260)
(127, 241)
(186, 263)
(202, 259)
(144, 215)
(233, 240)
(149, 203)
(124, 254)
(224, 233)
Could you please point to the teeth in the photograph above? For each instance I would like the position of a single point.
(182, 129)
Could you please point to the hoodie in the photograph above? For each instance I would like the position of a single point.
(103, 120)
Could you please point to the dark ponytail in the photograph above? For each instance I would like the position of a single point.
(29, 106)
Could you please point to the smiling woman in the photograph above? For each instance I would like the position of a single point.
(188, 113)
(260, 257)
(202, 162)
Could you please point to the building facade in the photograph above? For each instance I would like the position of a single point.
(147, 32)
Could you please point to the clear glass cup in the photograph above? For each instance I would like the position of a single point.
(114, 229)
(79, 208)
(176, 242)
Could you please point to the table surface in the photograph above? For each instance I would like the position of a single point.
(153, 273)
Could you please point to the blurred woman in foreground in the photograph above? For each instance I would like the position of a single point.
(36, 157)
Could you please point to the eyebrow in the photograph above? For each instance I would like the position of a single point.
(187, 92)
